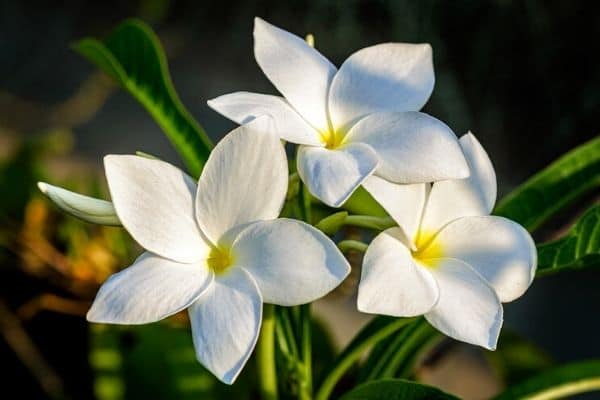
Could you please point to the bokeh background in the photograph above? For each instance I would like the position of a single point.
(522, 75)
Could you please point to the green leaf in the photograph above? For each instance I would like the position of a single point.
(378, 329)
(580, 248)
(559, 382)
(555, 187)
(396, 389)
(133, 57)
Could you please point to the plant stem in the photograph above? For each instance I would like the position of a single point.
(305, 392)
(265, 350)
(349, 244)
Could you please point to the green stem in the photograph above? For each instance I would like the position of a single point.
(305, 392)
(265, 350)
(356, 245)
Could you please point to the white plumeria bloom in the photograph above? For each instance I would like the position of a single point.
(351, 123)
(448, 260)
(216, 249)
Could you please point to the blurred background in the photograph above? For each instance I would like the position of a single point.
(523, 76)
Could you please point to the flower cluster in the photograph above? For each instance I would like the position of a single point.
(218, 249)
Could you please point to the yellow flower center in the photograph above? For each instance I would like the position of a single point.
(428, 251)
(220, 259)
(332, 139)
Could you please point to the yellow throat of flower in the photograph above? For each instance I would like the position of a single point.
(219, 260)
(331, 138)
(428, 251)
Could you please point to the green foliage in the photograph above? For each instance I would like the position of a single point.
(378, 329)
(396, 389)
(555, 187)
(361, 202)
(154, 361)
(559, 382)
(580, 248)
(133, 57)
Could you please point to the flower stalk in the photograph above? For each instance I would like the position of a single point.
(266, 355)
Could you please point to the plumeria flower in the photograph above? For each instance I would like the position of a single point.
(448, 259)
(353, 122)
(216, 249)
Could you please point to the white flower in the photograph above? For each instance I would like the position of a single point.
(448, 259)
(216, 249)
(353, 122)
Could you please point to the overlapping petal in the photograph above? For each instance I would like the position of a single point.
(225, 323)
(297, 70)
(404, 203)
(499, 249)
(244, 180)
(151, 289)
(292, 262)
(333, 175)
(475, 195)
(412, 147)
(391, 283)
(155, 202)
(243, 107)
(468, 309)
(385, 77)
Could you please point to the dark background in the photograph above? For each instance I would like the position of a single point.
(523, 76)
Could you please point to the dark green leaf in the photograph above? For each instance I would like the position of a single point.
(559, 382)
(133, 57)
(555, 187)
(580, 248)
(396, 389)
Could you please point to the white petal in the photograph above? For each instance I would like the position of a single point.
(292, 262)
(499, 249)
(404, 203)
(386, 77)
(297, 70)
(333, 175)
(151, 289)
(457, 198)
(391, 283)
(86, 208)
(413, 147)
(468, 309)
(155, 202)
(225, 323)
(243, 107)
(244, 180)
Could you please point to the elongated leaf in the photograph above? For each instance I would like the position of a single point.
(556, 383)
(555, 187)
(580, 248)
(378, 329)
(89, 209)
(396, 389)
(133, 57)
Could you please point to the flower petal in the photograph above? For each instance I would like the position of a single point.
(404, 203)
(457, 198)
(243, 107)
(225, 324)
(292, 262)
(385, 77)
(244, 180)
(499, 249)
(155, 202)
(333, 175)
(391, 283)
(468, 308)
(297, 70)
(151, 289)
(413, 147)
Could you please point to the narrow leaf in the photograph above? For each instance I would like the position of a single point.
(555, 187)
(559, 382)
(396, 389)
(580, 248)
(133, 57)
(83, 207)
